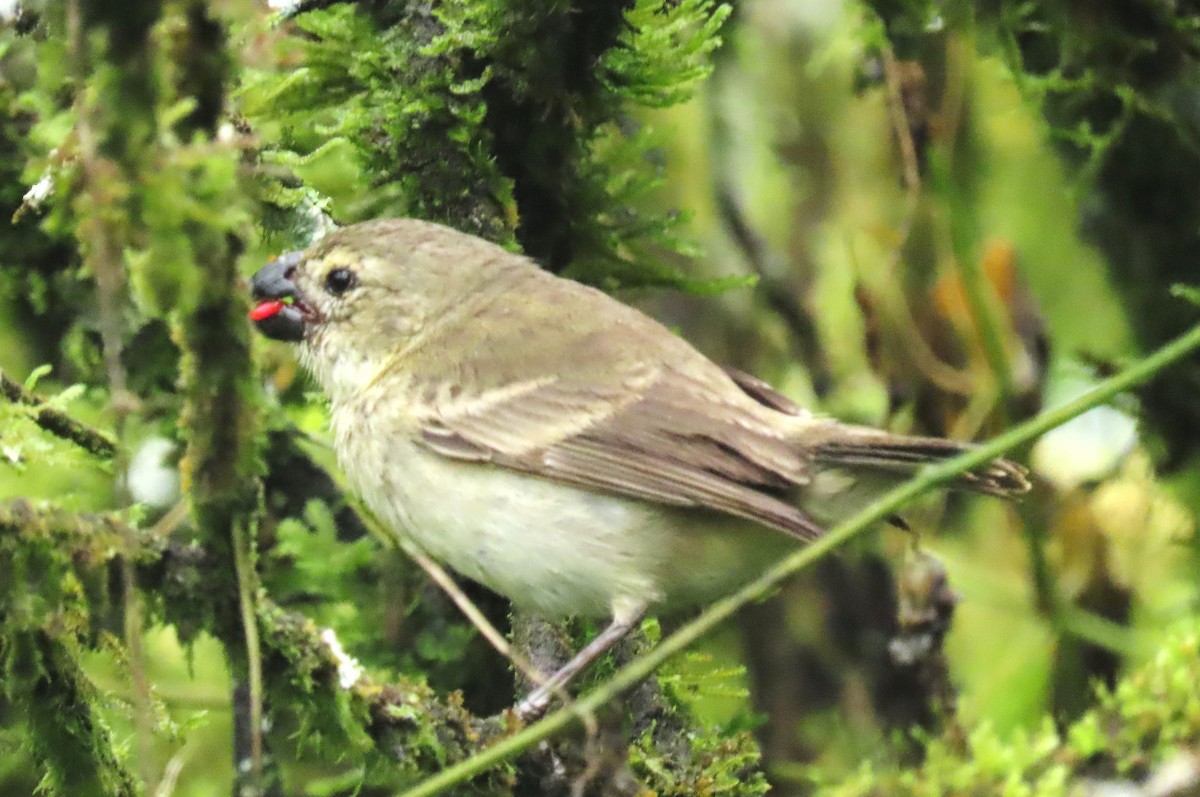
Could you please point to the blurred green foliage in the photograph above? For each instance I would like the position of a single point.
(932, 216)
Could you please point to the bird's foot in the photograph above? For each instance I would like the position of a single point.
(534, 705)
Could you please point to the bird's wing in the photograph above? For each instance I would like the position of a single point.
(658, 433)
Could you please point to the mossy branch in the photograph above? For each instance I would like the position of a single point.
(58, 423)
(86, 537)
(403, 720)
(44, 553)
(74, 746)
(926, 480)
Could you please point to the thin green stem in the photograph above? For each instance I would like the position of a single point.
(1041, 576)
(247, 581)
(986, 317)
(637, 670)
(1099, 630)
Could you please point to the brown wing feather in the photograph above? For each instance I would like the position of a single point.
(762, 392)
(665, 436)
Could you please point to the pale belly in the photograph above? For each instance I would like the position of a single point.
(555, 549)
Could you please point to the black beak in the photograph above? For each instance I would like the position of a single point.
(271, 287)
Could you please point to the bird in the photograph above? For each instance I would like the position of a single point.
(556, 445)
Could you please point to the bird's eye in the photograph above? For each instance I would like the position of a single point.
(339, 281)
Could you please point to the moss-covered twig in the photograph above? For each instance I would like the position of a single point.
(50, 560)
(722, 610)
(404, 720)
(86, 537)
(59, 423)
(72, 743)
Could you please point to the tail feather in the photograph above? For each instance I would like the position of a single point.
(868, 448)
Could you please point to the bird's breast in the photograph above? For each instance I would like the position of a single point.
(551, 547)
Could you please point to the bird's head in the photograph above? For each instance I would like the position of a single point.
(366, 292)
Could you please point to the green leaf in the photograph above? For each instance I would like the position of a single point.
(35, 376)
(1190, 293)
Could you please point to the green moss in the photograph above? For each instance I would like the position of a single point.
(43, 678)
(677, 754)
(37, 282)
(397, 121)
(716, 765)
(514, 122)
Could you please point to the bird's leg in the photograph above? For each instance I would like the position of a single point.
(623, 621)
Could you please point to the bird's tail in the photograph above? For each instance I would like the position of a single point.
(868, 448)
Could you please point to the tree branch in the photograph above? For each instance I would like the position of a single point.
(58, 423)
(60, 703)
(405, 720)
(89, 538)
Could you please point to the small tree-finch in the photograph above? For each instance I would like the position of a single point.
(554, 444)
